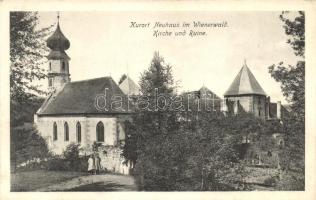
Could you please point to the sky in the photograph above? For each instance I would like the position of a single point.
(103, 44)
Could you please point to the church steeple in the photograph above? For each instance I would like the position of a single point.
(58, 70)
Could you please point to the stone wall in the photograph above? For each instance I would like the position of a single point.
(113, 161)
(248, 103)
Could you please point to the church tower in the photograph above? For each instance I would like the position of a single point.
(58, 60)
(246, 95)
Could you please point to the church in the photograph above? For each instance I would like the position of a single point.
(69, 113)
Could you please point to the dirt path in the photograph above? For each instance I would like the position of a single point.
(104, 182)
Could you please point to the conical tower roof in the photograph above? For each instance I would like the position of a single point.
(244, 83)
(129, 87)
(205, 90)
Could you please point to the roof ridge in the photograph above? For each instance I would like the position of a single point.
(91, 79)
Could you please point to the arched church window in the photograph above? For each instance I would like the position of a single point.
(66, 131)
(55, 131)
(78, 130)
(100, 132)
(50, 66)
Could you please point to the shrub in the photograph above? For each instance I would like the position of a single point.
(71, 152)
(60, 164)
(72, 161)
(26, 145)
(270, 181)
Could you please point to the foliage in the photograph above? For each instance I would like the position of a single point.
(147, 123)
(292, 79)
(295, 29)
(27, 52)
(26, 145)
(157, 76)
(71, 152)
(72, 158)
(271, 181)
(184, 149)
(61, 164)
(204, 157)
(23, 112)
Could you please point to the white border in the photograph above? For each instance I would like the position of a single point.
(71, 5)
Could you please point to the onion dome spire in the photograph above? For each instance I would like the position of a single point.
(57, 41)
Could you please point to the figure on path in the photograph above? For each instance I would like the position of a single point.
(97, 161)
(91, 165)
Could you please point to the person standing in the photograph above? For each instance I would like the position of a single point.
(97, 164)
(91, 165)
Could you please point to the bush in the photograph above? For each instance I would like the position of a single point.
(270, 181)
(60, 164)
(72, 161)
(71, 152)
(26, 145)
(57, 164)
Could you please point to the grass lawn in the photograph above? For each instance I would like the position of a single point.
(30, 180)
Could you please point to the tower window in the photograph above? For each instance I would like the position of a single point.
(50, 82)
(50, 66)
(63, 66)
(66, 131)
(100, 132)
(55, 131)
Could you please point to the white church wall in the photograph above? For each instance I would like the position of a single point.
(110, 130)
(45, 128)
(113, 131)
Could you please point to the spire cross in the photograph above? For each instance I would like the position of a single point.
(58, 16)
(245, 63)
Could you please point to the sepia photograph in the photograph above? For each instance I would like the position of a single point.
(156, 101)
(165, 102)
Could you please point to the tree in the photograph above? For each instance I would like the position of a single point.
(292, 79)
(26, 145)
(181, 150)
(157, 82)
(27, 52)
(152, 123)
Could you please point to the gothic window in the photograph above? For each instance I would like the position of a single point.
(66, 131)
(55, 131)
(78, 130)
(50, 66)
(259, 107)
(100, 132)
